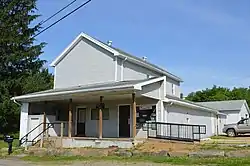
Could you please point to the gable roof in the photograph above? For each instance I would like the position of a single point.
(113, 86)
(115, 52)
(228, 105)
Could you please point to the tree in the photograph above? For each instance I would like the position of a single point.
(219, 94)
(21, 69)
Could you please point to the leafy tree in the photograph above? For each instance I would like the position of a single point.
(20, 66)
(220, 93)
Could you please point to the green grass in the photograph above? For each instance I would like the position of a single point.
(224, 147)
(165, 160)
(15, 142)
(220, 137)
(5, 145)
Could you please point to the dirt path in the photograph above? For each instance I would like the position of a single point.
(110, 163)
(13, 162)
(16, 162)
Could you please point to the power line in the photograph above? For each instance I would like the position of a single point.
(42, 22)
(82, 5)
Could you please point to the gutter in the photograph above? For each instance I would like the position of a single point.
(182, 103)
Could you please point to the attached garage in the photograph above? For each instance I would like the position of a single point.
(180, 111)
(184, 115)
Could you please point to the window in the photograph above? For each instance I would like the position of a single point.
(173, 89)
(95, 114)
(62, 115)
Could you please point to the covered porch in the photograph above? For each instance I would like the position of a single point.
(115, 117)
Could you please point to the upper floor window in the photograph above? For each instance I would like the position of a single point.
(173, 89)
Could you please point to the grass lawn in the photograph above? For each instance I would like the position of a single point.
(220, 137)
(5, 145)
(165, 160)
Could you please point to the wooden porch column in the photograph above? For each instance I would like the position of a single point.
(44, 121)
(100, 117)
(44, 126)
(70, 119)
(44, 117)
(134, 115)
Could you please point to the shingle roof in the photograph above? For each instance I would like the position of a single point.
(190, 102)
(224, 105)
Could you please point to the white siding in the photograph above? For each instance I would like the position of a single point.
(24, 119)
(152, 90)
(221, 122)
(110, 127)
(86, 63)
(244, 112)
(132, 72)
(232, 116)
(183, 115)
(169, 83)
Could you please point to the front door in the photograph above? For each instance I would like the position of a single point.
(124, 121)
(81, 118)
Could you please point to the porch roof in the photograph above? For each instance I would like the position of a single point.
(100, 88)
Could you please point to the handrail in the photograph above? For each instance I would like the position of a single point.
(50, 125)
(26, 135)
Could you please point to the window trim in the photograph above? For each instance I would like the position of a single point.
(173, 89)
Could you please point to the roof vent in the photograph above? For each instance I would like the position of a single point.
(144, 58)
(109, 43)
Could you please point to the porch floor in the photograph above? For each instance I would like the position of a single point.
(77, 142)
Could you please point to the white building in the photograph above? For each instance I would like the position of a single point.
(234, 109)
(103, 95)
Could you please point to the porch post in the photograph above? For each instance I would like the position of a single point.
(70, 119)
(100, 117)
(44, 126)
(134, 115)
(44, 119)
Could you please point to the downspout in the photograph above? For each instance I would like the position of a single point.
(217, 125)
(122, 65)
(116, 68)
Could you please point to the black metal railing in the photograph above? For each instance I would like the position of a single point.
(25, 138)
(174, 131)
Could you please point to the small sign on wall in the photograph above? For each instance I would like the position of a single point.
(145, 107)
(137, 114)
